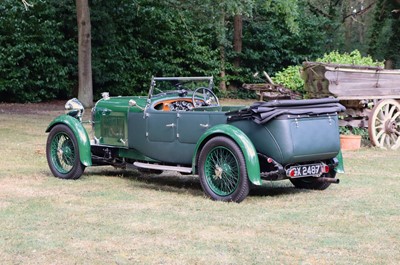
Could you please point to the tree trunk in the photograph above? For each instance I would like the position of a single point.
(237, 39)
(222, 37)
(222, 84)
(85, 94)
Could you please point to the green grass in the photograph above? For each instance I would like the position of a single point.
(112, 216)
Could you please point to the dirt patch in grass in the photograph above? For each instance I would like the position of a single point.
(32, 108)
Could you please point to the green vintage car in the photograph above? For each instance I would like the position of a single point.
(182, 127)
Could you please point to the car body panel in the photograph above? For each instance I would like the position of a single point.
(110, 120)
(172, 136)
(295, 140)
(340, 167)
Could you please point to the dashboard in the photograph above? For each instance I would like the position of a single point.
(176, 104)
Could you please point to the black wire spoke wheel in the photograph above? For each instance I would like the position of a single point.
(222, 170)
(62, 152)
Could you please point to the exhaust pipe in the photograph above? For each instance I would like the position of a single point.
(330, 180)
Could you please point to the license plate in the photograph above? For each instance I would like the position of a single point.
(306, 170)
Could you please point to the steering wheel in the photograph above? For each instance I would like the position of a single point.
(207, 96)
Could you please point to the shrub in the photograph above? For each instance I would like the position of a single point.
(354, 58)
(290, 78)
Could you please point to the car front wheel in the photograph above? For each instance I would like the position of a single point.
(62, 152)
(222, 170)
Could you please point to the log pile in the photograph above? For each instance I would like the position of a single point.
(268, 91)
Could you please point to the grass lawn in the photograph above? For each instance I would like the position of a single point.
(112, 216)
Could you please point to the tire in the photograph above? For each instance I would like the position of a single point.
(312, 183)
(62, 152)
(222, 170)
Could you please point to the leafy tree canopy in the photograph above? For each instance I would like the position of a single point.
(135, 39)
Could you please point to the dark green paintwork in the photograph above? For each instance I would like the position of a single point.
(173, 136)
(135, 155)
(295, 140)
(110, 119)
(340, 167)
(170, 136)
(245, 144)
(176, 137)
(80, 134)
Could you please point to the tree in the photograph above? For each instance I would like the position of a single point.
(232, 12)
(85, 94)
(237, 38)
(37, 60)
(26, 4)
(347, 22)
(385, 36)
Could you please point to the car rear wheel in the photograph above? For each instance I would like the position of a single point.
(222, 170)
(62, 152)
(312, 183)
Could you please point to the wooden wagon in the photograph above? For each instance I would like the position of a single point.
(370, 95)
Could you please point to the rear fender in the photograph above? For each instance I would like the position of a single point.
(241, 139)
(80, 134)
(340, 167)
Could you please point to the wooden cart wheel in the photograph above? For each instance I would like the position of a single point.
(384, 124)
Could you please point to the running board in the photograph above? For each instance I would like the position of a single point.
(163, 167)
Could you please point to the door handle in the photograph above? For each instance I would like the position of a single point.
(172, 125)
(204, 125)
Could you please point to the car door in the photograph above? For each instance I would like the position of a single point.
(154, 134)
(161, 126)
(191, 125)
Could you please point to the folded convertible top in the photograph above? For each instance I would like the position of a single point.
(262, 112)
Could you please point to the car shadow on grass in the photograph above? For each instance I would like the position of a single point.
(178, 183)
(167, 181)
(275, 189)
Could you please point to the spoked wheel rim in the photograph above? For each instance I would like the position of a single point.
(222, 171)
(384, 125)
(62, 153)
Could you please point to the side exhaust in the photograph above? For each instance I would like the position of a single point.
(330, 180)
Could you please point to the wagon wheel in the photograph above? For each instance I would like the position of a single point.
(384, 124)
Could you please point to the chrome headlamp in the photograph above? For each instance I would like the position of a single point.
(74, 108)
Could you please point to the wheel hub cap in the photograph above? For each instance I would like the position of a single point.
(218, 172)
(60, 152)
(390, 126)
